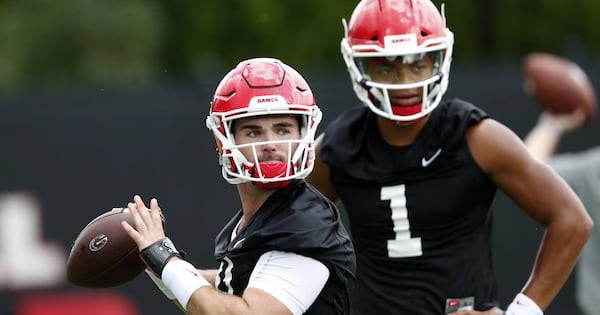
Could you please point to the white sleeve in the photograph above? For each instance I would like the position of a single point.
(293, 279)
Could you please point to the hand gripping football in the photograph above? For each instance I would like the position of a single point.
(103, 255)
(558, 84)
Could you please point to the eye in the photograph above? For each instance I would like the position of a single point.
(418, 66)
(253, 133)
(383, 70)
(283, 131)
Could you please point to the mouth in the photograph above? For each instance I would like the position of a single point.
(406, 100)
(269, 160)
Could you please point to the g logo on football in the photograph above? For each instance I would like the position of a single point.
(98, 242)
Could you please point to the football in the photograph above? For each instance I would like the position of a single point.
(558, 84)
(103, 255)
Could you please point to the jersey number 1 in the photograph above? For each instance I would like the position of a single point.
(403, 245)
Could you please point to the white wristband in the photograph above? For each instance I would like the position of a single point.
(523, 305)
(183, 279)
(161, 285)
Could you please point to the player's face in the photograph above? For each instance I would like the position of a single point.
(274, 130)
(401, 70)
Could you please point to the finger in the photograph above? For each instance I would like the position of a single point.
(138, 238)
(131, 231)
(140, 225)
(161, 214)
(156, 212)
(143, 210)
(579, 116)
(138, 201)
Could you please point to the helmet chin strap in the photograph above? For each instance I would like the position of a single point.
(271, 170)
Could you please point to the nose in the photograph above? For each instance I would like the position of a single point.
(269, 146)
(402, 75)
(268, 151)
(269, 136)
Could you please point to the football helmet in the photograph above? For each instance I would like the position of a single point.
(409, 30)
(257, 87)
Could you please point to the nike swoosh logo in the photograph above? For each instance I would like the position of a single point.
(425, 162)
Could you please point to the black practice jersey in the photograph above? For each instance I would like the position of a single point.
(419, 214)
(295, 219)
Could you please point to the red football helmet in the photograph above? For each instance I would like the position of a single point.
(406, 29)
(257, 87)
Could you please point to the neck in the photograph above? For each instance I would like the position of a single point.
(400, 134)
(252, 198)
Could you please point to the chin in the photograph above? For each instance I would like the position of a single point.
(410, 122)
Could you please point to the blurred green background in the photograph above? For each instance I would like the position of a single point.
(76, 43)
(103, 99)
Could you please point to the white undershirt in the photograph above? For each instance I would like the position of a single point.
(293, 279)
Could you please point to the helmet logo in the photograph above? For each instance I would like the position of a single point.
(403, 40)
(259, 103)
(267, 100)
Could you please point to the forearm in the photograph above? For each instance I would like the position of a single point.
(207, 301)
(556, 258)
(201, 301)
(542, 140)
(211, 301)
(166, 291)
(197, 296)
(277, 286)
(210, 275)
